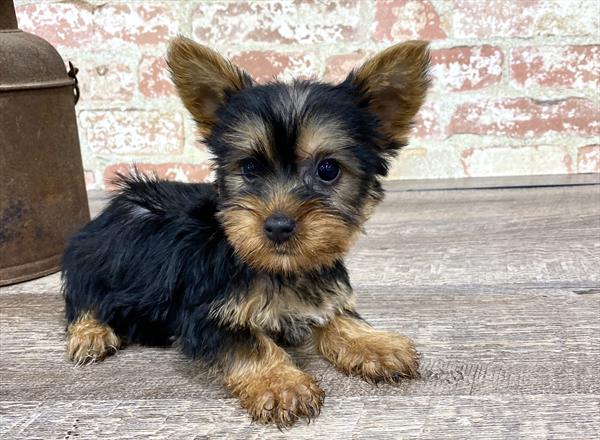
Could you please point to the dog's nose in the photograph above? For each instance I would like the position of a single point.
(279, 228)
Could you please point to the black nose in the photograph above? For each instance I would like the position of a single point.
(279, 228)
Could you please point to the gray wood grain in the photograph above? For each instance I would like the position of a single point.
(393, 417)
(473, 239)
(493, 182)
(510, 351)
(499, 288)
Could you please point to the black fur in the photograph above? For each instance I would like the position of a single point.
(155, 262)
(274, 103)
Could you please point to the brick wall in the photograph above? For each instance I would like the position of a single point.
(515, 91)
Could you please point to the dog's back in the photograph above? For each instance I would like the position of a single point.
(126, 265)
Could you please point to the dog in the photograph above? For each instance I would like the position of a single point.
(234, 271)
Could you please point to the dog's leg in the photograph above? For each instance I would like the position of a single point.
(270, 387)
(357, 349)
(89, 340)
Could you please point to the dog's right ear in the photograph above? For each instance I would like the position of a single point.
(204, 80)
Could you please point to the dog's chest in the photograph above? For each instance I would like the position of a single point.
(287, 309)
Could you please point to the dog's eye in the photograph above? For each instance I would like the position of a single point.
(249, 168)
(328, 170)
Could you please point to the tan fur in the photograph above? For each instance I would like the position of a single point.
(396, 81)
(202, 78)
(318, 139)
(270, 387)
(371, 203)
(89, 340)
(250, 136)
(262, 310)
(321, 237)
(321, 139)
(357, 349)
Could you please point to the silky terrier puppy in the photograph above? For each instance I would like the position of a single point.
(235, 270)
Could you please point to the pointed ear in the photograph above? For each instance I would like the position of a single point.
(204, 79)
(393, 85)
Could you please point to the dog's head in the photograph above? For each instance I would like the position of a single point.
(299, 165)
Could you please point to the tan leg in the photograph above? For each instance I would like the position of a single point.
(88, 340)
(270, 387)
(357, 349)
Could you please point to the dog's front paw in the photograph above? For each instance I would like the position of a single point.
(89, 340)
(282, 397)
(359, 350)
(380, 357)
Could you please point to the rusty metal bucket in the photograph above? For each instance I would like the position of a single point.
(42, 189)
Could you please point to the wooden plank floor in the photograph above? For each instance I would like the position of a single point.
(499, 288)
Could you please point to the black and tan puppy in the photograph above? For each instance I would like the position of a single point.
(233, 270)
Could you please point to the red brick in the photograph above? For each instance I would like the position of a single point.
(466, 68)
(339, 66)
(62, 24)
(588, 159)
(104, 79)
(276, 22)
(418, 162)
(112, 132)
(464, 160)
(515, 160)
(267, 65)
(90, 178)
(180, 172)
(98, 26)
(135, 24)
(522, 117)
(401, 19)
(555, 66)
(523, 18)
(474, 18)
(427, 125)
(568, 161)
(154, 77)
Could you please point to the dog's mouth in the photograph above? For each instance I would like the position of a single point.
(283, 250)
(284, 257)
(319, 239)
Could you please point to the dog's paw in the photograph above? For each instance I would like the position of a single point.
(282, 398)
(381, 357)
(90, 341)
(358, 349)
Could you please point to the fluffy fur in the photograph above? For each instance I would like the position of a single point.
(169, 262)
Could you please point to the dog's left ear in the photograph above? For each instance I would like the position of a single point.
(204, 80)
(393, 85)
